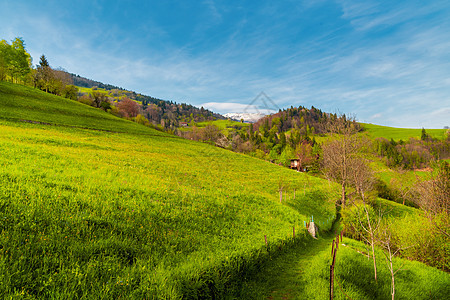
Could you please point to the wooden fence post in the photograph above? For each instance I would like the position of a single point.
(265, 239)
(332, 267)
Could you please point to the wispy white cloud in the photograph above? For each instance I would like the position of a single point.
(402, 74)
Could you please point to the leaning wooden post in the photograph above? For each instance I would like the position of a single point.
(332, 273)
(331, 282)
(265, 239)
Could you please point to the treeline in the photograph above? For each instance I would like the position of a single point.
(16, 66)
(88, 83)
(413, 153)
(161, 114)
(278, 138)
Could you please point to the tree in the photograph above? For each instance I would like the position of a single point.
(424, 136)
(15, 61)
(44, 74)
(339, 152)
(21, 60)
(434, 197)
(303, 152)
(211, 133)
(128, 108)
(338, 161)
(362, 179)
(70, 92)
(401, 189)
(5, 53)
(101, 101)
(384, 239)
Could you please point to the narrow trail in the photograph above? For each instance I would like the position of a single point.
(284, 277)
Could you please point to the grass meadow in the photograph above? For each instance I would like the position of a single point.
(404, 134)
(20, 103)
(354, 276)
(96, 207)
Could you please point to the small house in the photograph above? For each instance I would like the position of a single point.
(295, 164)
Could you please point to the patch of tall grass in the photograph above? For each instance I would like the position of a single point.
(95, 214)
(354, 276)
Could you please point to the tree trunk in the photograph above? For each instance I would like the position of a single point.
(393, 285)
(343, 194)
(373, 256)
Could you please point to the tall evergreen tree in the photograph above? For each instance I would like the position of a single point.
(44, 74)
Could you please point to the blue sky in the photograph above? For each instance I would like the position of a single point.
(386, 62)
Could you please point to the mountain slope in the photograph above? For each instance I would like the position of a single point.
(98, 205)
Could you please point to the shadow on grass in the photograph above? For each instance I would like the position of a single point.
(285, 277)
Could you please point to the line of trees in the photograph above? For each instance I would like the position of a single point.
(16, 66)
(280, 137)
(413, 153)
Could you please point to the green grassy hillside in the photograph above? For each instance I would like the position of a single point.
(401, 133)
(354, 276)
(27, 104)
(129, 212)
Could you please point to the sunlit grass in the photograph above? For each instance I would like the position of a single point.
(131, 212)
(401, 133)
(354, 276)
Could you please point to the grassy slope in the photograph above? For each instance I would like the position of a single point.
(23, 103)
(303, 273)
(354, 275)
(134, 212)
(401, 133)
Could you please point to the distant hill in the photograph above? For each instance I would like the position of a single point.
(167, 114)
(88, 83)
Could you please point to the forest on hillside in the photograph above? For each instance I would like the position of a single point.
(299, 133)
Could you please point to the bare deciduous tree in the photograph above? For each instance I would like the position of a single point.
(304, 154)
(434, 197)
(362, 179)
(338, 154)
(384, 239)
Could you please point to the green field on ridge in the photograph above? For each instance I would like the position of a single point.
(404, 134)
